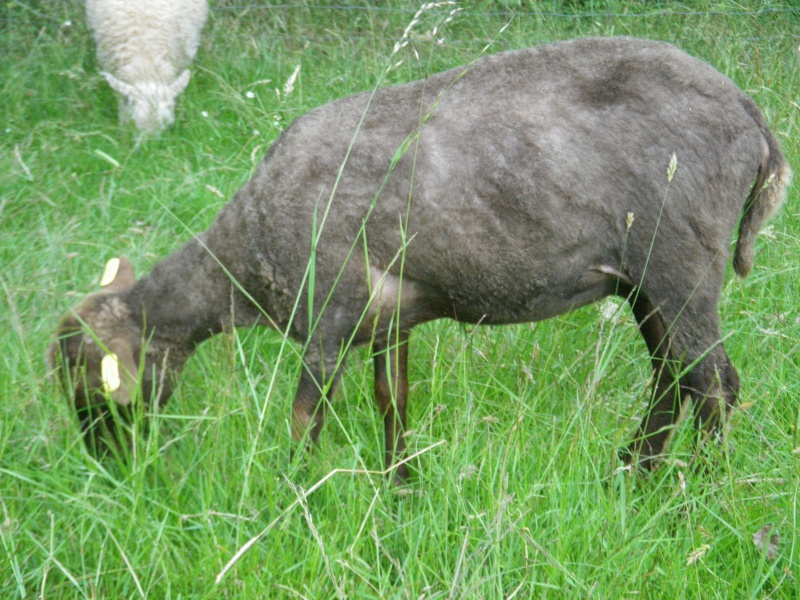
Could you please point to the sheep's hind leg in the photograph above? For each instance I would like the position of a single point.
(689, 362)
(654, 431)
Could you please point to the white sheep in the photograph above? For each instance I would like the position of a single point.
(145, 47)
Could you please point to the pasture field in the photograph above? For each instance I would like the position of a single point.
(516, 491)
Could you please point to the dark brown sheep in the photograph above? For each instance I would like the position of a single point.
(514, 189)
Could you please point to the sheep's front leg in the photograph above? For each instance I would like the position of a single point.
(391, 394)
(308, 412)
(318, 379)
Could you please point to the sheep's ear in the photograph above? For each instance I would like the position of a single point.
(177, 86)
(119, 372)
(126, 89)
(118, 275)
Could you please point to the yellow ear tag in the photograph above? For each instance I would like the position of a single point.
(109, 372)
(110, 274)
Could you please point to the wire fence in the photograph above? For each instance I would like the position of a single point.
(655, 9)
(631, 14)
(49, 11)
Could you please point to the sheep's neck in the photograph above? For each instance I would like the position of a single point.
(187, 298)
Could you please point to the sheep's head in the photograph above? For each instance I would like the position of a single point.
(96, 356)
(151, 104)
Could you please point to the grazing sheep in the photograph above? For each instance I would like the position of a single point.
(145, 47)
(514, 189)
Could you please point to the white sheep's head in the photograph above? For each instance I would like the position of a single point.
(151, 104)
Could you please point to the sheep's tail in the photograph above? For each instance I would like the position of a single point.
(766, 197)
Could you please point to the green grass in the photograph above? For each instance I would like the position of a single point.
(517, 491)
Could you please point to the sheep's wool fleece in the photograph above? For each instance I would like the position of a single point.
(146, 40)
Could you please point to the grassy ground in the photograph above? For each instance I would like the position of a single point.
(517, 491)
